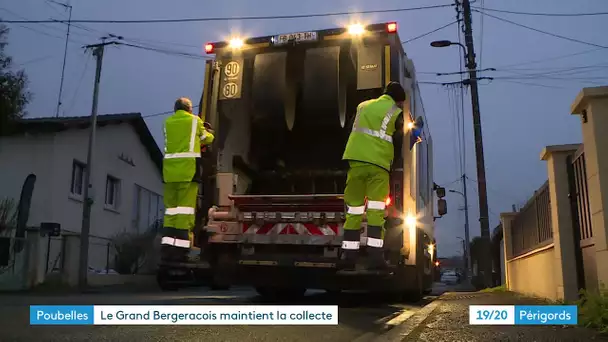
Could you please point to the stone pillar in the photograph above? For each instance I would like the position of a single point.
(34, 273)
(564, 265)
(507, 220)
(592, 105)
(71, 250)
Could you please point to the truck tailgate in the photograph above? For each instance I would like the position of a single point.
(281, 219)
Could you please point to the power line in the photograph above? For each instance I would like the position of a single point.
(462, 142)
(543, 60)
(39, 59)
(430, 32)
(531, 84)
(163, 113)
(183, 20)
(168, 52)
(544, 32)
(481, 37)
(38, 31)
(541, 14)
(74, 97)
(490, 210)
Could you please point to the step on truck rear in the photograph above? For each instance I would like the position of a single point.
(282, 107)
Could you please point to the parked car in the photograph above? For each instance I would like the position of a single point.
(450, 278)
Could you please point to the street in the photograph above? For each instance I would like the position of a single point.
(362, 317)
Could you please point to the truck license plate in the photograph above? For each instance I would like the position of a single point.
(295, 37)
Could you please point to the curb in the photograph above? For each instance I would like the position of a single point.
(401, 331)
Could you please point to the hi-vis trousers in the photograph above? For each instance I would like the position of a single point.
(180, 203)
(371, 182)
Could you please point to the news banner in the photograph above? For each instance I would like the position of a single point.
(272, 315)
(183, 315)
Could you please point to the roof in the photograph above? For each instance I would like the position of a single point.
(52, 124)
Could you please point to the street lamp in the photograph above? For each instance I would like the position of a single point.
(446, 43)
(466, 230)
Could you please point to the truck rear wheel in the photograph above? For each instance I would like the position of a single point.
(275, 293)
(163, 281)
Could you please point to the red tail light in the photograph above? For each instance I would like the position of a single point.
(209, 48)
(391, 27)
(388, 201)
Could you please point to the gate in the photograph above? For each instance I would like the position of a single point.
(14, 263)
(581, 221)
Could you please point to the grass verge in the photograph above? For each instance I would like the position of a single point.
(593, 309)
(501, 288)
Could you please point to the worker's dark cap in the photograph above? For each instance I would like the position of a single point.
(396, 91)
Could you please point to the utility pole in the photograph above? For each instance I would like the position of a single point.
(65, 54)
(88, 202)
(467, 252)
(481, 169)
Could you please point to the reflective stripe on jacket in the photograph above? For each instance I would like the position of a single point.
(371, 138)
(184, 134)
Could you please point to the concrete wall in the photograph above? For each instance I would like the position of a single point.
(521, 269)
(552, 272)
(592, 106)
(50, 158)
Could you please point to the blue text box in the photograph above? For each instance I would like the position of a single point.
(61, 314)
(546, 314)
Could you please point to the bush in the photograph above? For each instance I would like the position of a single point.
(8, 215)
(130, 249)
(593, 309)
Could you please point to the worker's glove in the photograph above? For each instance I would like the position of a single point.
(208, 128)
(418, 123)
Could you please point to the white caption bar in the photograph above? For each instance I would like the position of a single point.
(215, 315)
(491, 315)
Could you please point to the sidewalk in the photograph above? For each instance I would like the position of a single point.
(447, 319)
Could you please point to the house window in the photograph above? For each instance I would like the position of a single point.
(112, 192)
(148, 210)
(78, 172)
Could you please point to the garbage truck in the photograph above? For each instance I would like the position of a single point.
(271, 209)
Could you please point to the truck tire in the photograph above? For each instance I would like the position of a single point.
(413, 296)
(223, 272)
(274, 293)
(219, 287)
(162, 279)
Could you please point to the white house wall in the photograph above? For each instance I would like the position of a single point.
(50, 157)
(112, 141)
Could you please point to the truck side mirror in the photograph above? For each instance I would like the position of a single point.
(440, 192)
(442, 207)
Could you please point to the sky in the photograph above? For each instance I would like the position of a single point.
(524, 108)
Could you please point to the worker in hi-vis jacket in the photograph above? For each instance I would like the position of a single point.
(370, 153)
(185, 135)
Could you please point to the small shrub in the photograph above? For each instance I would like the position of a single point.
(8, 215)
(130, 249)
(593, 309)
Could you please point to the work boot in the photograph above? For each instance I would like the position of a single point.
(348, 261)
(173, 254)
(350, 249)
(375, 259)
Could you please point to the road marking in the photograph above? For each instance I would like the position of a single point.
(401, 317)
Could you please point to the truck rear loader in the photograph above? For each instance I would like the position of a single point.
(271, 209)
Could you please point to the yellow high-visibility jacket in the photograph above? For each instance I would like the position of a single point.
(184, 135)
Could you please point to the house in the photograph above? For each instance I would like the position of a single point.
(126, 178)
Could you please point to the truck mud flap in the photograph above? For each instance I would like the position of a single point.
(324, 88)
(274, 89)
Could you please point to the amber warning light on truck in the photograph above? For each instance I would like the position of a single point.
(354, 30)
